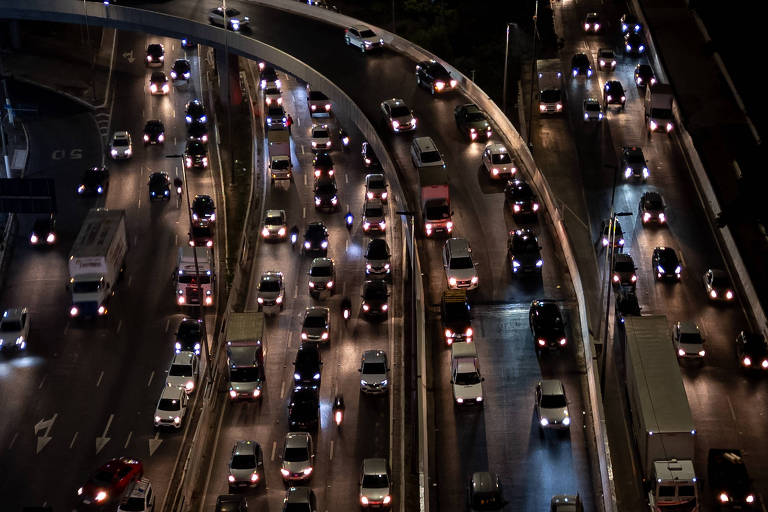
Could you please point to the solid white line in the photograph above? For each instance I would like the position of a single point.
(101, 376)
(274, 449)
(42, 382)
(282, 390)
(72, 443)
(330, 457)
(167, 324)
(730, 406)
(151, 375)
(13, 441)
(128, 440)
(119, 325)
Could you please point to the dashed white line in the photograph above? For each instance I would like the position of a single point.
(130, 278)
(304, 212)
(330, 456)
(139, 203)
(274, 449)
(282, 390)
(290, 337)
(167, 324)
(42, 382)
(72, 443)
(296, 291)
(13, 441)
(101, 376)
(305, 180)
(119, 326)
(730, 406)
(346, 180)
(298, 121)
(151, 375)
(302, 152)
(346, 245)
(174, 137)
(128, 440)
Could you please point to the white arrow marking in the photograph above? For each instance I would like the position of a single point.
(45, 438)
(129, 56)
(154, 443)
(102, 441)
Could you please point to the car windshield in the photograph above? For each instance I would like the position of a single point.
(606, 54)
(367, 33)
(467, 379)
(456, 312)
(375, 292)
(720, 282)
(624, 266)
(690, 337)
(436, 212)
(323, 160)
(430, 156)
(520, 244)
(192, 279)
(550, 96)
(281, 164)
(251, 374)
(296, 507)
(315, 232)
(377, 252)
(314, 321)
(232, 12)
(635, 157)
(243, 462)
(669, 257)
(400, 111)
(592, 106)
(553, 401)
(522, 191)
(158, 179)
(269, 285)
(189, 331)
(180, 370)
(317, 95)
(274, 221)
(296, 455)
(661, 113)
(320, 134)
(375, 481)
(501, 158)
(486, 501)
(475, 116)
(120, 141)
(86, 286)
(201, 232)
(10, 326)
(374, 369)
(196, 148)
(133, 505)
(653, 202)
(169, 404)
(377, 184)
(461, 263)
(326, 187)
(320, 271)
(374, 211)
(272, 91)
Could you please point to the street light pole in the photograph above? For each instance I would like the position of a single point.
(411, 249)
(506, 62)
(534, 32)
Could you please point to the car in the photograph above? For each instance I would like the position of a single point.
(299, 499)
(183, 372)
(606, 59)
(718, 285)
(231, 503)
(268, 74)
(593, 110)
(158, 83)
(377, 259)
(231, 18)
(43, 231)
(154, 132)
(729, 480)
(188, 44)
(633, 164)
(373, 217)
(552, 405)
(618, 234)
(370, 160)
(460, 271)
(688, 341)
(307, 367)
(171, 407)
(432, 75)
(95, 182)
(363, 37)
(520, 195)
(322, 277)
(547, 324)
(276, 117)
(580, 65)
(270, 291)
(304, 408)
(318, 103)
(613, 94)
(484, 492)
(159, 187)
(14, 330)
(375, 484)
(633, 44)
(189, 336)
(323, 164)
(651, 209)
(592, 23)
(246, 465)
(375, 299)
(752, 350)
(326, 194)
(275, 227)
(272, 95)
(524, 251)
(181, 70)
(203, 209)
(374, 372)
(298, 457)
(376, 187)
(155, 55)
(644, 75)
(424, 153)
(623, 273)
(455, 317)
(138, 497)
(316, 239)
(397, 115)
(107, 484)
(316, 326)
(626, 303)
(498, 161)
(629, 23)
(472, 122)
(466, 379)
(665, 264)
(566, 503)
(201, 235)
(121, 146)
(194, 112)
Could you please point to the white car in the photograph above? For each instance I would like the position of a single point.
(688, 341)
(234, 19)
(319, 104)
(138, 498)
(183, 372)
(593, 110)
(121, 146)
(551, 405)
(466, 380)
(460, 271)
(606, 59)
(271, 291)
(171, 408)
(373, 216)
(272, 94)
(320, 137)
(275, 226)
(298, 457)
(14, 329)
(374, 372)
(363, 37)
(398, 116)
(376, 187)
(498, 161)
(374, 484)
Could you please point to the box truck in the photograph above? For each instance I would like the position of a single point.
(244, 338)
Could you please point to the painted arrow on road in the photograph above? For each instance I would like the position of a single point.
(103, 440)
(129, 56)
(154, 443)
(45, 438)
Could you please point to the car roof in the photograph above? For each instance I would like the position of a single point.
(373, 203)
(688, 327)
(497, 147)
(316, 311)
(275, 213)
(360, 28)
(245, 448)
(139, 489)
(458, 246)
(377, 244)
(375, 466)
(13, 314)
(395, 102)
(298, 494)
(121, 135)
(624, 258)
(471, 107)
(374, 356)
(183, 357)
(374, 176)
(297, 439)
(375, 285)
(154, 122)
(322, 262)
(551, 387)
(484, 481)
(158, 75)
(171, 392)
(319, 126)
(271, 275)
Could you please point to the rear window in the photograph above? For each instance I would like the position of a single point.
(10, 326)
(243, 462)
(375, 481)
(314, 321)
(461, 263)
(430, 156)
(501, 158)
(374, 369)
(180, 370)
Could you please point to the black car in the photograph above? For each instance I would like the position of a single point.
(644, 75)
(231, 503)
(316, 239)
(201, 235)
(323, 164)
(370, 160)
(729, 480)
(634, 44)
(633, 164)
(189, 336)
(522, 198)
(155, 54)
(268, 74)
(629, 23)
(626, 303)
(181, 70)
(325, 190)
(276, 117)
(752, 350)
(195, 112)
(188, 44)
(547, 325)
(159, 187)
(613, 94)
(304, 409)
(375, 299)
(433, 76)
(580, 65)
(158, 83)
(197, 132)
(455, 316)
(377, 258)
(195, 154)
(618, 235)
(43, 231)
(651, 208)
(484, 492)
(154, 132)
(307, 367)
(472, 122)
(666, 264)
(524, 252)
(203, 209)
(94, 182)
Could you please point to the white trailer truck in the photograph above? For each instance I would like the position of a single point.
(280, 167)
(550, 79)
(96, 262)
(661, 421)
(658, 108)
(245, 354)
(194, 284)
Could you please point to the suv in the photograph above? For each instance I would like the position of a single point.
(666, 264)
(455, 316)
(316, 239)
(374, 372)
(326, 194)
(246, 465)
(274, 225)
(377, 259)
(171, 408)
(633, 163)
(424, 153)
(459, 268)
(183, 371)
(363, 37)
(189, 336)
(319, 104)
(322, 276)
(433, 76)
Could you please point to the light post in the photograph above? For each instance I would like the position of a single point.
(534, 33)
(506, 62)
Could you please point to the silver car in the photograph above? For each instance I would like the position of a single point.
(322, 277)
(374, 216)
(320, 137)
(183, 372)
(688, 341)
(374, 372)
(275, 226)
(298, 457)
(299, 499)
(14, 329)
(271, 291)
(398, 116)
(374, 484)
(121, 146)
(232, 18)
(171, 408)
(316, 327)
(376, 187)
(246, 465)
(498, 161)
(551, 405)
(593, 110)
(363, 37)
(606, 59)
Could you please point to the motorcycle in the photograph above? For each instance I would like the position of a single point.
(338, 410)
(346, 308)
(294, 237)
(344, 139)
(349, 219)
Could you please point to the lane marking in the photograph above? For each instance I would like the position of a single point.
(101, 376)
(139, 203)
(167, 324)
(274, 449)
(72, 443)
(296, 291)
(42, 381)
(128, 440)
(331, 454)
(119, 326)
(304, 212)
(730, 406)
(282, 390)
(102, 441)
(150, 378)
(13, 441)
(305, 180)
(346, 179)
(290, 337)
(302, 152)
(130, 278)
(346, 245)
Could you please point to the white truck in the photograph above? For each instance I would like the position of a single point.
(245, 354)
(194, 285)
(465, 373)
(435, 200)
(661, 421)
(550, 80)
(658, 108)
(280, 166)
(96, 262)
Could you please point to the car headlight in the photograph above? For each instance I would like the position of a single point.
(113, 152)
(324, 244)
(539, 263)
(653, 125)
(515, 263)
(678, 269)
(324, 336)
(231, 478)
(395, 124)
(544, 422)
(307, 245)
(566, 421)
(307, 471)
(459, 400)
(316, 376)
(452, 281)
(296, 376)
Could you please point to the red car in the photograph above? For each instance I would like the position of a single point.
(109, 481)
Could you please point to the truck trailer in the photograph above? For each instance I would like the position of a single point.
(244, 340)
(550, 80)
(194, 284)
(435, 200)
(658, 108)
(280, 166)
